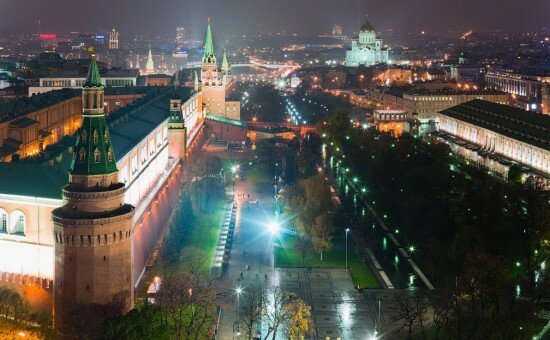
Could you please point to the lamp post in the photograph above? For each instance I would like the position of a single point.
(347, 231)
(239, 291)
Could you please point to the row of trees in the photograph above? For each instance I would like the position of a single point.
(184, 307)
(309, 203)
(456, 215)
(279, 309)
(480, 306)
(14, 309)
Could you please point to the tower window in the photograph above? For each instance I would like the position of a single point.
(96, 136)
(110, 154)
(83, 136)
(81, 155)
(97, 155)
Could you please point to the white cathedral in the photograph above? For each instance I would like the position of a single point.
(366, 49)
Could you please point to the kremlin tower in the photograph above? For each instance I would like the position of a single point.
(150, 66)
(93, 228)
(214, 80)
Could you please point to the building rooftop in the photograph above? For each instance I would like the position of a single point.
(21, 106)
(227, 121)
(525, 126)
(44, 176)
(452, 92)
(367, 27)
(111, 73)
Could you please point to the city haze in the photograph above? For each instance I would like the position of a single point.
(238, 17)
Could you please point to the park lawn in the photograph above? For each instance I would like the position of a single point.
(287, 257)
(201, 240)
(258, 174)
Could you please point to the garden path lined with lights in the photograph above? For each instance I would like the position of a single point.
(379, 269)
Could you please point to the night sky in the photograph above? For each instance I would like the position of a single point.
(295, 16)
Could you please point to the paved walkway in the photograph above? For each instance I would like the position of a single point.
(338, 309)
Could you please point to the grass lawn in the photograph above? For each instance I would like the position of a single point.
(287, 257)
(258, 174)
(201, 241)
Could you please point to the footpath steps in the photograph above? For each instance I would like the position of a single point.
(225, 239)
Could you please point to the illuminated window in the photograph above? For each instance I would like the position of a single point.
(110, 154)
(17, 223)
(81, 155)
(96, 136)
(97, 155)
(3, 221)
(84, 136)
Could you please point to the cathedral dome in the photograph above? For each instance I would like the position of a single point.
(367, 27)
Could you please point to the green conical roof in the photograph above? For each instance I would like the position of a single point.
(150, 65)
(93, 79)
(93, 153)
(208, 43)
(225, 63)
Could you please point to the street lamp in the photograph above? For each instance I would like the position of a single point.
(273, 227)
(347, 231)
(239, 291)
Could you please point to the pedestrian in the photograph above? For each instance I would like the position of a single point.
(265, 276)
(242, 275)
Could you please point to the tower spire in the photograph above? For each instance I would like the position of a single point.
(208, 42)
(93, 154)
(150, 66)
(226, 68)
(93, 78)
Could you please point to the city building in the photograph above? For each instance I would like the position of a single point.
(337, 31)
(215, 81)
(114, 40)
(526, 86)
(466, 71)
(74, 79)
(366, 48)
(424, 104)
(179, 56)
(422, 101)
(518, 135)
(135, 146)
(395, 122)
(29, 125)
(93, 228)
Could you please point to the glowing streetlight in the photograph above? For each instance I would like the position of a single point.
(238, 291)
(412, 249)
(273, 227)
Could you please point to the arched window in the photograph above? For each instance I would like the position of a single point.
(96, 136)
(83, 136)
(3, 221)
(105, 136)
(17, 223)
(81, 155)
(97, 155)
(110, 153)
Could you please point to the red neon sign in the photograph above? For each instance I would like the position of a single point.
(48, 36)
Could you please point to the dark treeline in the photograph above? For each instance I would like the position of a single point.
(477, 238)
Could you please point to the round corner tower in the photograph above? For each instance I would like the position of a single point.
(93, 228)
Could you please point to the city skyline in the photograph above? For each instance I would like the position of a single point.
(308, 17)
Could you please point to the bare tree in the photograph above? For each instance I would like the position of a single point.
(302, 245)
(409, 310)
(280, 307)
(188, 303)
(321, 233)
(251, 310)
